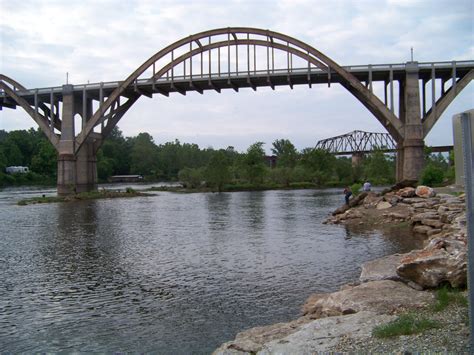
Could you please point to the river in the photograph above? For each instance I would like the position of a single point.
(171, 273)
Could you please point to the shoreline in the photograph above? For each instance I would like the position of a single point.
(388, 287)
(83, 196)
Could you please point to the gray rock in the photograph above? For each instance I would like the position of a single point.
(372, 199)
(394, 200)
(412, 200)
(432, 223)
(406, 192)
(420, 229)
(424, 215)
(322, 334)
(403, 215)
(252, 340)
(443, 260)
(383, 205)
(384, 268)
(378, 296)
(433, 232)
(420, 205)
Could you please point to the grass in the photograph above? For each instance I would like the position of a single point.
(446, 296)
(405, 324)
(91, 195)
(410, 323)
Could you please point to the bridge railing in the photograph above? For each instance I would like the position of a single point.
(251, 73)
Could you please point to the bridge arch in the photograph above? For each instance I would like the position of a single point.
(241, 36)
(433, 115)
(11, 86)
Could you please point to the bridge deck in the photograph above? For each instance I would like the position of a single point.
(245, 79)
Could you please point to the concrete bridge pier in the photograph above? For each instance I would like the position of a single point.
(86, 167)
(357, 159)
(77, 171)
(412, 146)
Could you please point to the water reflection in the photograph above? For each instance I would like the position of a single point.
(253, 209)
(218, 209)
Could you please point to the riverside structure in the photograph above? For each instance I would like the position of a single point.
(210, 61)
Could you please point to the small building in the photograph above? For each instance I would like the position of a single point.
(271, 161)
(17, 169)
(126, 178)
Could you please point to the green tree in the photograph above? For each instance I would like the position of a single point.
(116, 150)
(190, 178)
(253, 163)
(285, 152)
(379, 167)
(343, 168)
(218, 171)
(12, 153)
(319, 163)
(282, 175)
(143, 155)
(45, 160)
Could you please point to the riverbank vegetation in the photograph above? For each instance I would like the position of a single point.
(83, 196)
(413, 323)
(208, 168)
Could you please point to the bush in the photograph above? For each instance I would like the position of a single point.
(190, 178)
(356, 188)
(432, 175)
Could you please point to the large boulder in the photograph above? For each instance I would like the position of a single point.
(252, 340)
(353, 202)
(443, 260)
(372, 199)
(312, 338)
(384, 268)
(406, 192)
(424, 191)
(384, 296)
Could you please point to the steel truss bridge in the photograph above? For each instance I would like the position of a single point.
(360, 142)
(412, 95)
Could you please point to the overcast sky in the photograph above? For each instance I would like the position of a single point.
(107, 40)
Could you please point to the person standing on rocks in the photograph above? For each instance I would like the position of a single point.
(347, 194)
(367, 186)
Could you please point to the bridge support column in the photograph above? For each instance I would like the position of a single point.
(357, 159)
(413, 143)
(399, 162)
(77, 172)
(86, 168)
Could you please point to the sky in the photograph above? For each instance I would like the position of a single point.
(102, 40)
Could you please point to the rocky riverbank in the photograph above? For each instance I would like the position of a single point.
(343, 321)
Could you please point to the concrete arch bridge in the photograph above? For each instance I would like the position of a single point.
(236, 58)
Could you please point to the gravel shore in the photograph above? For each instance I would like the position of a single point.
(451, 337)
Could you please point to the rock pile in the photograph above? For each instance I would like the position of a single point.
(387, 285)
(441, 218)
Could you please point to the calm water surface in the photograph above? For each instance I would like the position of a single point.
(172, 273)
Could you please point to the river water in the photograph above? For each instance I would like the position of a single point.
(172, 273)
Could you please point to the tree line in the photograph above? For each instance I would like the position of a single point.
(195, 167)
